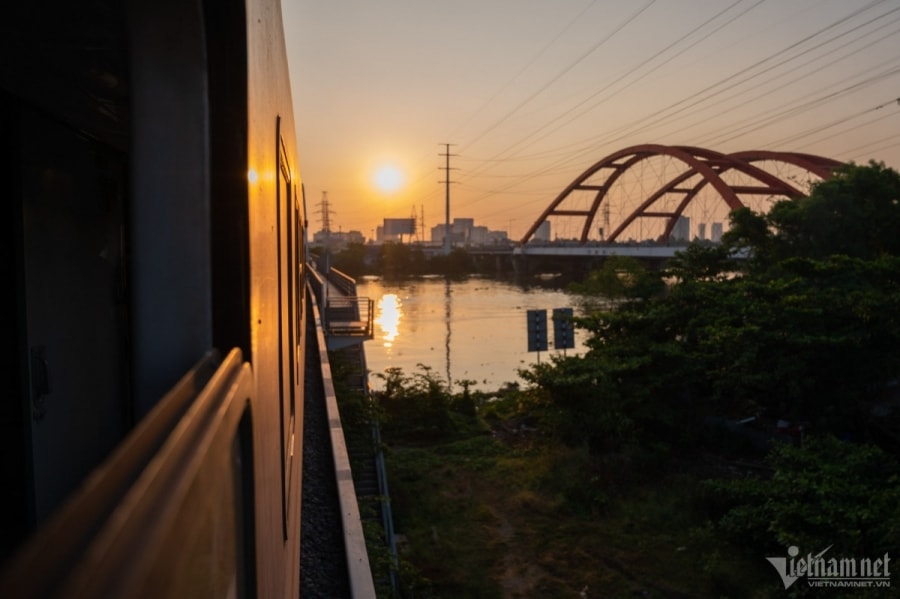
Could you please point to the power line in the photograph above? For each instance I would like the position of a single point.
(770, 118)
(630, 71)
(665, 114)
(696, 98)
(527, 65)
(795, 80)
(841, 121)
(560, 74)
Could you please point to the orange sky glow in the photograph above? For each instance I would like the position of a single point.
(531, 93)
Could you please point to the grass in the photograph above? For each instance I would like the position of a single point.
(489, 515)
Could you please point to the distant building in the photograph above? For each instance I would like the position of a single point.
(480, 236)
(463, 231)
(682, 230)
(542, 233)
(462, 225)
(337, 240)
(438, 232)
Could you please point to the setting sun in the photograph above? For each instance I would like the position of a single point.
(388, 178)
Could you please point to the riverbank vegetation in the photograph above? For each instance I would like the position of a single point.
(397, 260)
(726, 410)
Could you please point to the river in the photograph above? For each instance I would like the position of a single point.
(473, 329)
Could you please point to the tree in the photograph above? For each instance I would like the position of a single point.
(587, 407)
(351, 260)
(620, 277)
(398, 260)
(827, 493)
(855, 213)
(416, 406)
(750, 232)
(455, 264)
(700, 262)
(807, 331)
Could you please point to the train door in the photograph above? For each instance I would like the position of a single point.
(73, 323)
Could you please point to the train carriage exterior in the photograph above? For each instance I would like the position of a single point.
(155, 233)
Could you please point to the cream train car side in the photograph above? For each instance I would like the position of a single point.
(152, 440)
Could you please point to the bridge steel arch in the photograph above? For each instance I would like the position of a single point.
(709, 164)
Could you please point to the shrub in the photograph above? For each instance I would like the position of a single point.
(828, 492)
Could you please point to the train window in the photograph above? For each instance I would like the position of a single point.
(300, 253)
(286, 218)
(302, 229)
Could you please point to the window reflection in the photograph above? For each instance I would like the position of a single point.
(388, 317)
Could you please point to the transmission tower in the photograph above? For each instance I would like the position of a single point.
(415, 225)
(325, 211)
(447, 183)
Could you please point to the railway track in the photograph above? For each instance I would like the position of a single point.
(344, 481)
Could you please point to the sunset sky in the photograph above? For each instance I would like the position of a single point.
(532, 92)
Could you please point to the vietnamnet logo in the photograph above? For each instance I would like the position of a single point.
(832, 572)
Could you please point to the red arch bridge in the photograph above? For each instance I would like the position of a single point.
(661, 195)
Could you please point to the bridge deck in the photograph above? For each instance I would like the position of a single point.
(347, 318)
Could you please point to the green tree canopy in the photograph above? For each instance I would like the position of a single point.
(854, 213)
(806, 328)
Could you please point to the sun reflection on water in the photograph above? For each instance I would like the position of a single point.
(388, 317)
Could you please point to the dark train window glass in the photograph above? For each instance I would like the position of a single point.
(244, 512)
(286, 336)
(299, 250)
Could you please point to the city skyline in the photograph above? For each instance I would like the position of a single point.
(531, 94)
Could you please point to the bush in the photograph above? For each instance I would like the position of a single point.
(414, 407)
(828, 492)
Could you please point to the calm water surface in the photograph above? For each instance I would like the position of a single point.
(473, 329)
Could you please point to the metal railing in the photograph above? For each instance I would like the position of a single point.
(344, 282)
(346, 318)
(350, 317)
